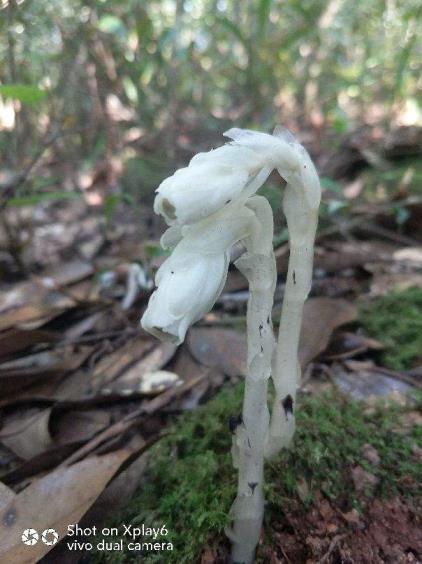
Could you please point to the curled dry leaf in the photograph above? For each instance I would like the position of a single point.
(368, 383)
(77, 425)
(17, 340)
(110, 366)
(27, 433)
(346, 345)
(40, 463)
(153, 361)
(320, 317)
(37, 301)
(224, 349)
(65, 274)
(54, 501)
(38, 367)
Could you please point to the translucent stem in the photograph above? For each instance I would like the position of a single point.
(302, 222)
(250, 435)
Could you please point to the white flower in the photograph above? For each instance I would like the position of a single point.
(194, 193)
(205, 205)
(188, 286)
(283, 152)
(230, 174)
(191, 279)
(212, 181)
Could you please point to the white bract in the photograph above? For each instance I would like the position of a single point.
(210, 205)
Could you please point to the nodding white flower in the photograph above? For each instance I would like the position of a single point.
(188, 286)
(197, 191)
(283, 152)
(205, 205)
(191, 279)
(233, 172)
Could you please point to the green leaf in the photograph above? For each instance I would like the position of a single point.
(38, 198)
(25, 93)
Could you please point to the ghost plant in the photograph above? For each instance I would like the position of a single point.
(209, 206)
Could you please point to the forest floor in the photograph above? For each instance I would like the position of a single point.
(93, 409)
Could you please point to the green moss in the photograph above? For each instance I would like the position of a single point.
(396, 320)
(190, 482)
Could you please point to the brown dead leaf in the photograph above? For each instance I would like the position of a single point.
(320, 317)
(54, 501)
(365, 381)
(33, 368)
(110, 366)
(6, 496)
(27, 313)
(17, 340)
(65, 274)
(188, 368)
(42, 298)
(78, 425)
(347, 345)
(26, 433)
(302, 489)
(215, 347)
(152, 362)
(40, 463)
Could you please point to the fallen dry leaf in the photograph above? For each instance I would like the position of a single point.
(366, 382)
(54, 501)
(215, 347)
(17, 340)
(37, 367)
(320, 317)
(153, 361)
(72, 426)
(40, 463)
(6, 496)
(65, 274)
(110, 366)
(345, 345)
(37, 301)
(27, 433)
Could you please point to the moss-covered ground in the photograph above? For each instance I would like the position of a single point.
(396, 320)
(190, 482)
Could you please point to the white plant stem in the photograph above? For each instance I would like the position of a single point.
(302, 223)
(258, 266)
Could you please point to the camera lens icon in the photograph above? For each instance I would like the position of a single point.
(50, 537)
(30, 537)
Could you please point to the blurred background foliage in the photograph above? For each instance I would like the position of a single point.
(152, 81)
